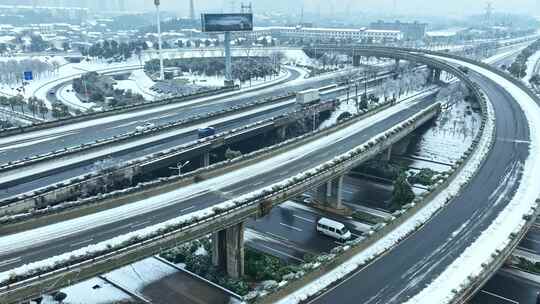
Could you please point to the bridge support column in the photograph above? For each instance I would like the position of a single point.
(329, 193)
(396, 67)
(228, 250)
(206, 159)
(437, 75)
(387, 155)
(282, 132)
(356, 60)
(434, 75)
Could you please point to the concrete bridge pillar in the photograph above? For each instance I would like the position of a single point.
(437, 75)
(356, 60)
(282, 132)
(396, 66)
(387, 154)
(228, 250)
(329, 193)
(434, 75)
(205, 159)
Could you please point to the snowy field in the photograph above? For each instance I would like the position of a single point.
(452, 135)
(136, 276)
(531, 64)
(92, 291)
(138, 83)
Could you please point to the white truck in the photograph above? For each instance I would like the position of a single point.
(308, 97)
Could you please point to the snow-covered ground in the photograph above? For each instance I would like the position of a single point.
(217, 81)
(531, 65)
(136, 276)
(92, 291)
(451, 136)
(67, 96)
(138, 83)
(41, 87)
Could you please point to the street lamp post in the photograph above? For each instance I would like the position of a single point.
(161, 72)
(179, 167)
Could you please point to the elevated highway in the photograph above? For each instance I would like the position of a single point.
(209, 193)
(418, 259)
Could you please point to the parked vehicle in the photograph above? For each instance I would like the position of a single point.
(205, 132)
(308, 97)
(333, 229)
(145, 127)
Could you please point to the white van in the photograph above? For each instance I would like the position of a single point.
(333, 229)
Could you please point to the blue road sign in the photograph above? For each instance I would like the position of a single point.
(28, 75)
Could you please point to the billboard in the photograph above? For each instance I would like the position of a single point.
(227, 22)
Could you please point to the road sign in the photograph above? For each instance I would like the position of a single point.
(227, 22)
(28, 75)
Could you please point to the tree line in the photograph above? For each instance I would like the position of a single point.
(519, 66)
(112, 49)
(12, 70)
(244, 68)
(34, 105)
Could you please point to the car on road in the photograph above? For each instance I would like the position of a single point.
(145, 127)
(333, 229)
(205, 132)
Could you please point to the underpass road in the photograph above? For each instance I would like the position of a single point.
(509, 286)
(416, 261)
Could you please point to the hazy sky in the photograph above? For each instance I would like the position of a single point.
(419, 7)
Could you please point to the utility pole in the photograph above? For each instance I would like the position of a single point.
(161, 72)
(489, 12)
(191, 10)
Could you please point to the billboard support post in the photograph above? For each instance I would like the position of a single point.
(160, 43)
(227, 23)
(228, 60)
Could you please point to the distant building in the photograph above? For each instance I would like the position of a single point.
(411, 31)
(326, 34)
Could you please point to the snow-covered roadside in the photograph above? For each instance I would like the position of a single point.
(67, 96)
(531, 65)
(138, 83)
(410, 225)
(94, 291)
(510, 220)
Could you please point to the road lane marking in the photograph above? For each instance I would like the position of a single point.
(140, 224)
(304, 219)
(278, 236)
(282, 253)
(80, 243)
(499, 297)
(291, 227)
(258, 183)
(10, 261)
(186, 209)
(532, 240)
